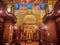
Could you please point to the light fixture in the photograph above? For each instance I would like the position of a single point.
(48, 34)
(36, 27)
(0, 11)
(58, 11)
(9, 9)
(15, 27)
(44, 27)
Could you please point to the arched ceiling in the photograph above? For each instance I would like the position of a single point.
(22, 13)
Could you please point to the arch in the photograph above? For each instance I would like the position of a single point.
(29, 19)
